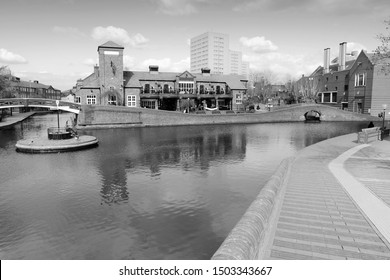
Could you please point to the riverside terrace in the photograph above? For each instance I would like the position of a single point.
(342, 212)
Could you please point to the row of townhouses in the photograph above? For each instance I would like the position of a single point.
(110, 84)
(30, 89)
(358, 82)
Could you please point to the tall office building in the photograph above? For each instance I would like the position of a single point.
(211, 50)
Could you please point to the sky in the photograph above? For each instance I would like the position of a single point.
(55, 41)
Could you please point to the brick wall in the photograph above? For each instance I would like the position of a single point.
(117, 115)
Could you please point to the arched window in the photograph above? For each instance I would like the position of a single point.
(146, 88)
(201, 89)
(166, 88)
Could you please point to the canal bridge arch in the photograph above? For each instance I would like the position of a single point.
(40, 103)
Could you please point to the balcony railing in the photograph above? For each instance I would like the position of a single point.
(184, 92)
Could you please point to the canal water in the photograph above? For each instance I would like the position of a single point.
(143, 193)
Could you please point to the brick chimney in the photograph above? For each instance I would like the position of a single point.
(205, 71)
(96, 70)
(153, 69)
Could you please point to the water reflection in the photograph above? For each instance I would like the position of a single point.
(162, 148)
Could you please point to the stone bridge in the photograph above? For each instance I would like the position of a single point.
(51, 104)
(93, 115)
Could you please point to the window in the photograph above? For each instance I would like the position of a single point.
(238, 98)
(334, 97)
(147, 88)
(131, 101)
(91, 99)
(328, 97)
(151, 104)
(201, 89)
(186, 87)
(166, 88)
(112, 100)
(360, 79)
(77, 99)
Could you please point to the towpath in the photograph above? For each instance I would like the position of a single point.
(335, 204)
(15, 118)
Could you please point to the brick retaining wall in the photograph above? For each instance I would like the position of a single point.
(119, 116)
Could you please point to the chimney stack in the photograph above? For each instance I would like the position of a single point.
(342, 54)
(96, 70)
(326, 60)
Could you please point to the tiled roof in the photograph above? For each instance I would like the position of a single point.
(133, 78)
(31, 85)
(111, 44)
(333, 68)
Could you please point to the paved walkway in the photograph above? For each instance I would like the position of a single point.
(15, 118)
(334, 203)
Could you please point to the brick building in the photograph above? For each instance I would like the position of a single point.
(31, 89)
(358, 82)
(109, 84)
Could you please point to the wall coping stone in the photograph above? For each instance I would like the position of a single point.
(247, 238)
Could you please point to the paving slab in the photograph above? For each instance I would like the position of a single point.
(318, 216)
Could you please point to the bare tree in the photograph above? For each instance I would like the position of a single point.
(307, 89)
(5, 83)
(383, 51)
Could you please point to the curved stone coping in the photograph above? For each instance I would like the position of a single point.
(54, 146)
(244, 241)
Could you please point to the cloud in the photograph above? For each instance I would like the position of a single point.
(258, 44)
(314, 6)
(73, 31)
(167, 65)
(178, 7)
(163, 63)
(128, 62)
(352, 46)
(11, 58)
(181, 65)
(89, 62)
(283, 66)
(118, 35)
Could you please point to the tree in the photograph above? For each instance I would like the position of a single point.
(261, 82)
(186, 104)
(5, 84)
(383, 51)
(307, 89)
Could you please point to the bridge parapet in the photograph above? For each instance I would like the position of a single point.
(40, 102)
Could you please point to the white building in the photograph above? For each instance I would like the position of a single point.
(211, 50)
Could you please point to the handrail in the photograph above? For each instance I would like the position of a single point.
(39, 102)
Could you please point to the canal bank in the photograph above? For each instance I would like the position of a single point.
(93, 116)
(328, 202)
(14, 119)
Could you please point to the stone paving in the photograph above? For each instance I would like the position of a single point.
(318, 219)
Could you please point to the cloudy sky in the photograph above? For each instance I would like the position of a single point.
(55, 41)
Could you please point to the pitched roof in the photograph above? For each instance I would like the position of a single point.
(28, 84)
(133, 78)
(111, 45)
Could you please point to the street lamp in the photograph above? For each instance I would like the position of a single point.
(384, 106)
(383, 116)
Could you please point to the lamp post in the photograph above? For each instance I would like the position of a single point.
(383, 115)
